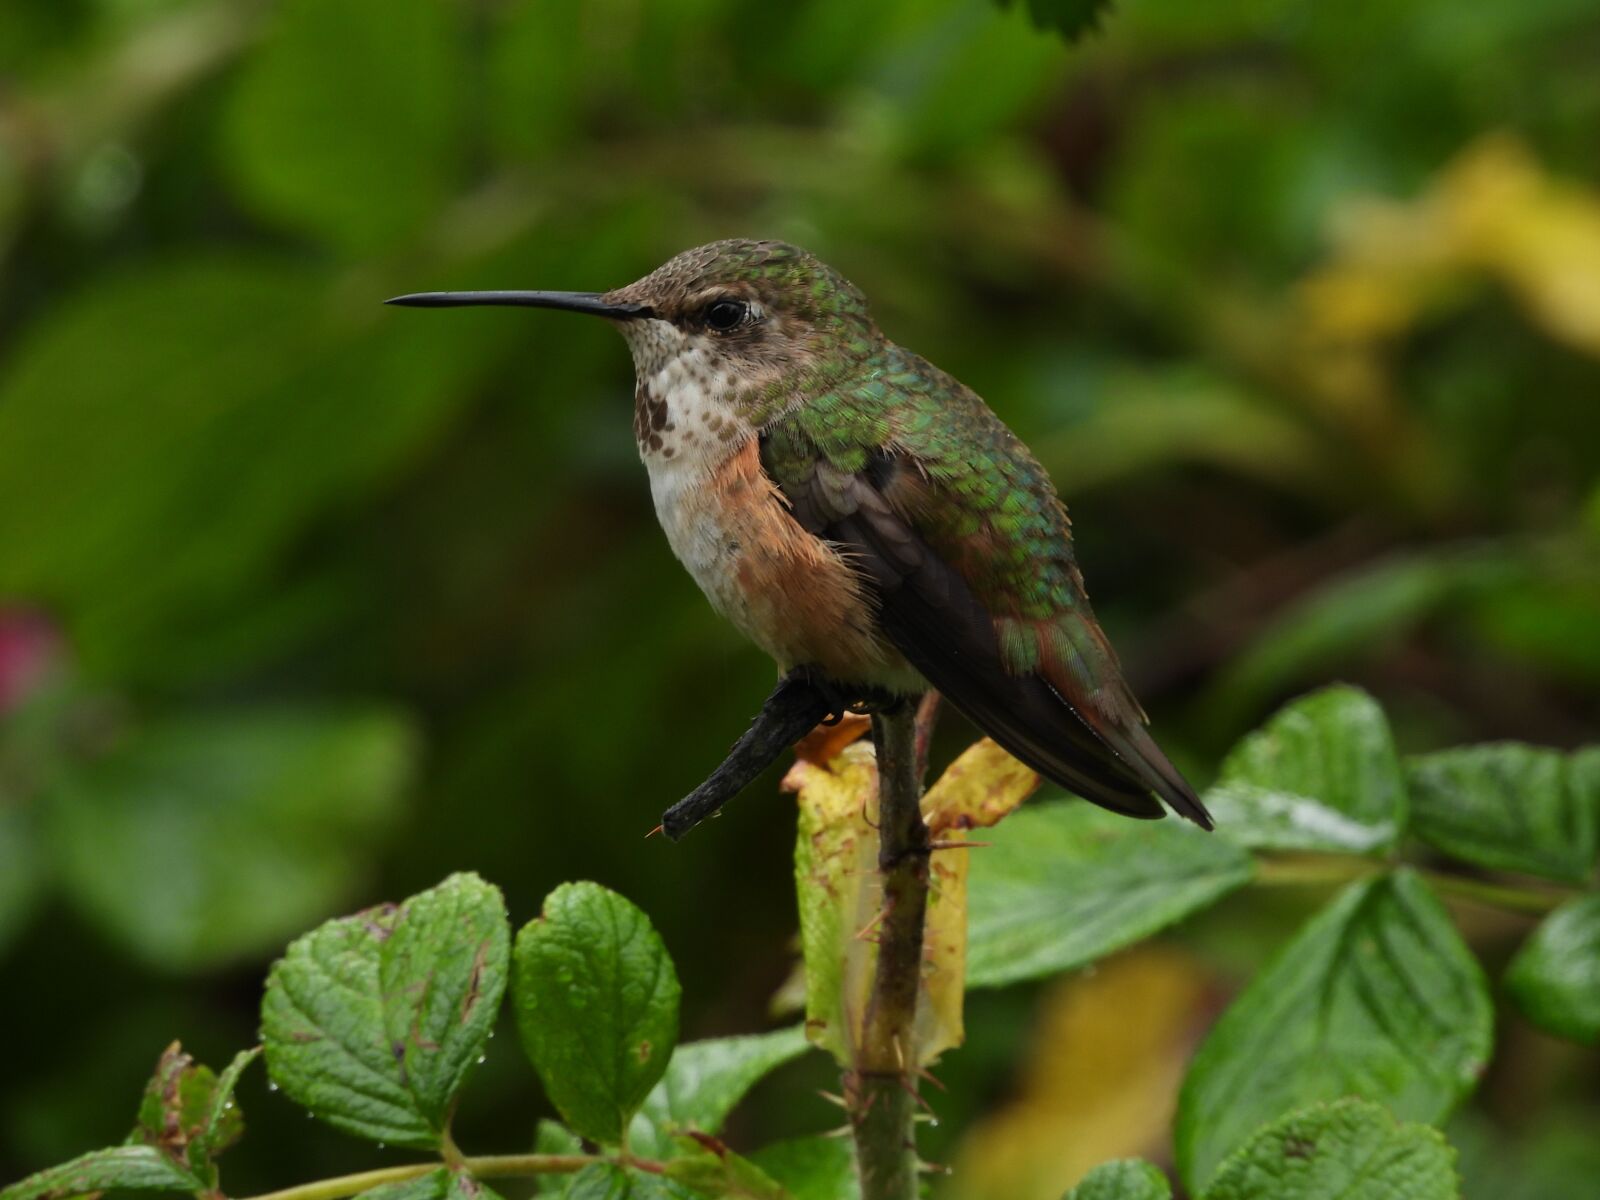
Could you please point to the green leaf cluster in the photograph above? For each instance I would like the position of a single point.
(1325, 1076)
(1339, 1151)
(186, 1119)
(1378, 997)
(194, 838)
(375, 1022)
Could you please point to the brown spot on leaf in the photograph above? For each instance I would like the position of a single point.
(1299, 1147)
(372, 921)
(644, 1051)
(475, 981)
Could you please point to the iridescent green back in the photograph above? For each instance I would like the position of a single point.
(990, 510)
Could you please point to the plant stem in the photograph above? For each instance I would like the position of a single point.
(486, 1166)
(1333, 869)
(880, 1092)
(1498, 895)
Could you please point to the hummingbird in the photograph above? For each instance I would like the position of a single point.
(861, 515)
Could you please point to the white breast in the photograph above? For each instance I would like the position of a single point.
(687, 432)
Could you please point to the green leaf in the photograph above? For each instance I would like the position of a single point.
(1322, 774)
(1511, 807)
(1556, 1157)
(322, 1022)
(442, 972)
(127, 1168)
(812, 1168)
(224, 1122)
(1149, 418)
(602, 1181)
(704, 1081)
(1347, 1150)
(596, 998)
(646, 1185)
(1061, 885)
(536, 84)
(1555, 977)
(442, 1184)
(188, 1112)
(1126, 1179)
(1376, 997)
(373, 1021)
(552, 1137)
(464, 1186)
(967, 81)
(708, 1168)
(432, 1186)
(346, 121)
(256, 384)
(1354, 615)
(203, 838)
(126, 385)
(1070, 18)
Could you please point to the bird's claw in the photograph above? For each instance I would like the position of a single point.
(867, 702)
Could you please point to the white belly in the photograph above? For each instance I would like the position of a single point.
(698, 533)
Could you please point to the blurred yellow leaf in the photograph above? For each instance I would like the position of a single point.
(1492, 212)
(1100, 1081)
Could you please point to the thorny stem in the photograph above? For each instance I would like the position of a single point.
(927, 718)
(484, 1166)
(880, 1089)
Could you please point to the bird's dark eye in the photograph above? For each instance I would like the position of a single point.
(723, 315)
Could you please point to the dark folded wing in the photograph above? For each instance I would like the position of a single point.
(936, 620)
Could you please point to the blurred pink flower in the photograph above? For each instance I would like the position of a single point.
(30, 650)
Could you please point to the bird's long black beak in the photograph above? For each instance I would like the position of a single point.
(593, 303)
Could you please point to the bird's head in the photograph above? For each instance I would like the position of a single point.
(754, 317)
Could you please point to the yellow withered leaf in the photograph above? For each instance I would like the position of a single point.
(1104, 1062)
(841, 900)
(1494, 211)
(977, 790)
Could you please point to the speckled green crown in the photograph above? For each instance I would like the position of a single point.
(784, 278)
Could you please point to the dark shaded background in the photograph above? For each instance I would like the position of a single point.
(305, 603)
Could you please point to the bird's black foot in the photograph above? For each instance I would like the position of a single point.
(791, 712)
(855, 699)
(803, 698)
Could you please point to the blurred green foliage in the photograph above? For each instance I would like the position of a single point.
(307, 602)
